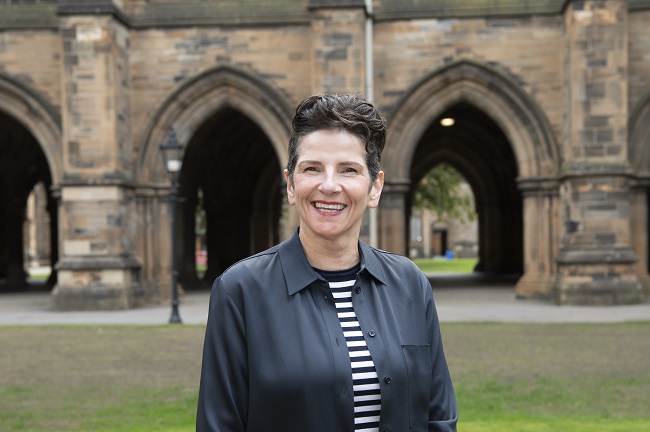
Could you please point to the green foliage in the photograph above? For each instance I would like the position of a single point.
(441, 192)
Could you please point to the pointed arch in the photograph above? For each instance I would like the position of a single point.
(38, 116)
(196, 100)
(487, 89)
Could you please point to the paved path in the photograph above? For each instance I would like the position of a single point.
(458, 298)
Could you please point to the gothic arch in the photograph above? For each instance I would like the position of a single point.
(40, 118)
(516, 234)
(196, 100)
(490, 91)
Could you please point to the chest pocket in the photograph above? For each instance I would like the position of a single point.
(418, 363)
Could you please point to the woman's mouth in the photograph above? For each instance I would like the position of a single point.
(332, 208)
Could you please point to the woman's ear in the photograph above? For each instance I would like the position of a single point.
(375, 190)
(290, 196)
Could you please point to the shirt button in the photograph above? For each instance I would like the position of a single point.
(372, 333)
(387, 380)
(357, 290)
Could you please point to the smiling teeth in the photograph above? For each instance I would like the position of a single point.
(330, 207)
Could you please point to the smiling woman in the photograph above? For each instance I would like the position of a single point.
(331, 188)
(322, 332)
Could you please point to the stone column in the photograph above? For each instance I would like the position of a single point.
(541, 226)
(392, 218)
(338, 28)
(640, 226)
(41, 228)
(97, 268)
(596, 264)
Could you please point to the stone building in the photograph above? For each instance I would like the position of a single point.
(551, 100)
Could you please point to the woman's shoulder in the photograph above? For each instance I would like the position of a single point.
(393, 259)
(392, 265)
(249, 269)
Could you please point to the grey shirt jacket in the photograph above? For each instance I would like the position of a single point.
(275, 358)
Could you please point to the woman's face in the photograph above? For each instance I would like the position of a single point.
(331, 185)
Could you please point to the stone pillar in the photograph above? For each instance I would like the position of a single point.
(97, 268)
(392, 217)
(338, 29)
(153, 243)
(41, 228)
(640, 226)
(596, 264)
(541, 227)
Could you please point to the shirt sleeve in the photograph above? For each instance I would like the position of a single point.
(443, 409)
(223, 392)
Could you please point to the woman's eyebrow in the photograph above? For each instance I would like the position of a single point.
(351, 164)
(309, 162)
(317, 162)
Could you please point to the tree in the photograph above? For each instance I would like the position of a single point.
(441, 191)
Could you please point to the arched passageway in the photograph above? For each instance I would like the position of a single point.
(477, 148)
(232, 162)
(23, 166)
(505, 149)
(234, 129)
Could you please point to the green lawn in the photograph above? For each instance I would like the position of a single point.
(427, 265)
(508, 377)
(456, 265)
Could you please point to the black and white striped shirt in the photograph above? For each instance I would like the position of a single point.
(365, 382)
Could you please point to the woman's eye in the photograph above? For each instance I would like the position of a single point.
(350, 170)
(311, 169)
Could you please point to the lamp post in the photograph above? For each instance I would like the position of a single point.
(173, 154)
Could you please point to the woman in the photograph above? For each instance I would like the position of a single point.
(322, 332)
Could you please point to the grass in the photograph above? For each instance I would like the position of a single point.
(456, 265)
(514, 377)
(427, 265)
(531, 378)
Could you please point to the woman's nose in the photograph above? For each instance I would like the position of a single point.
(330, 184)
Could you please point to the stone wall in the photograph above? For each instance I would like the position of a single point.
(559, 79)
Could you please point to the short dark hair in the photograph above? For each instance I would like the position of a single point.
(350, 113)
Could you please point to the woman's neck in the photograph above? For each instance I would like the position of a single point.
(325, 254)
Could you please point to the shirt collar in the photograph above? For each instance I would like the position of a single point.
(298, 273)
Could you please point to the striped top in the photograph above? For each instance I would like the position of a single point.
(365, 382)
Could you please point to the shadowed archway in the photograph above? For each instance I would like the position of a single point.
(478, 150)
(502, 144)
(30, 154)
(22, 166)
(235, 130)
(233, 163)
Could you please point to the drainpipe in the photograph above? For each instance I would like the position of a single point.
(372, 213)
